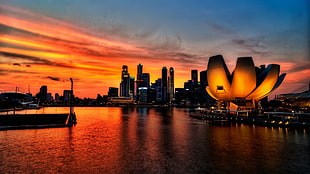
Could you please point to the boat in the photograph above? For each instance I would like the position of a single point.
(35, 121)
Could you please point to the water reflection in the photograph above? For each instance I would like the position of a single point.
(152, 140)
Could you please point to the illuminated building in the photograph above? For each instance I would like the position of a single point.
(125, 83)
(245, 86)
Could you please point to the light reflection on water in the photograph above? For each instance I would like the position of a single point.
(151, 140)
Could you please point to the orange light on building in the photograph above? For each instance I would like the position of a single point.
(244, 83)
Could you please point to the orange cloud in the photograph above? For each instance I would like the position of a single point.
(54, 48)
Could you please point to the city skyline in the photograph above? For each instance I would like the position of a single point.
(46, 43)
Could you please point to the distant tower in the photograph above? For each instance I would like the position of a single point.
(67, 95)
(203, 78)
(139, 71)
(171, 84)
(42, 95)
(139, 81)
(164, 78)
(131, 86)
(195, 76)
(125, 83)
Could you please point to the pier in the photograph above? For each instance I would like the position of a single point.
(267, 119)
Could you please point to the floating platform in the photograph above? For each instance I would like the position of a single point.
(36, 121)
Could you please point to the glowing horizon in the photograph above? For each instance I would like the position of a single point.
(41, 49)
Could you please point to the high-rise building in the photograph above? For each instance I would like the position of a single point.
(145, 80)
(42, 95)
(113, 92)
(131, 86)
(203, 78)
(180, 96)
(171, 84)
(67, 95)
(139, 80)
(139, 71)
(143, 95)
(164, 79)
(194, 76)
(125, 83)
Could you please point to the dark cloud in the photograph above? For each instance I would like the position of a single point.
(5, 72)
(255, 45)
(53, 78)
(35, 60)
(21, 56)
(17, 64)
(219, 28)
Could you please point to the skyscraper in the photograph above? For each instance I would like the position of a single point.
(139, 81)
(171, 84)
(42, 95)
(131, 86)
(139, 71)
(125, 83)
(164, 78)
(203, 78)
(194, 76)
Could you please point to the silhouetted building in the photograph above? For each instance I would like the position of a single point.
(113, 92)
(42, 95)
(131, 86)
(157, 86)
(180, 96)
(194, 74)
(57, 97)
(164, 82)
(49, 97)
(139, 81)
(164, 76)
(145, 80)
(171, 84)
(125, 83)
(203, 78)
(139, 71)
(192, 91)
(67, 95)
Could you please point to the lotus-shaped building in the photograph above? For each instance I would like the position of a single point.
(247, 82)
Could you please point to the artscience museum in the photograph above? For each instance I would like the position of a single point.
(246, 85)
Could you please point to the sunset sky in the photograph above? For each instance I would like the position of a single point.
(47, 42)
